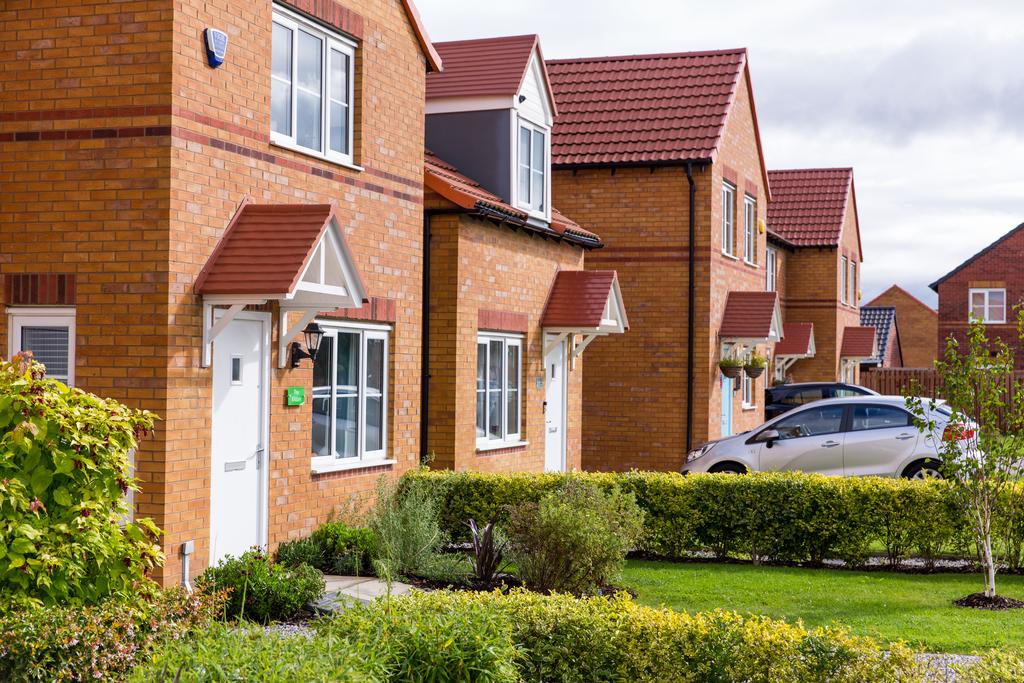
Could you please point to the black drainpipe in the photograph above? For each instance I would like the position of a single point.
(691, 300)
(425, 338)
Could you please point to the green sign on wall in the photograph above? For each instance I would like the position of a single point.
(296, 396)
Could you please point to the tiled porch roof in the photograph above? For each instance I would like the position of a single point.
(797, 340)
(858, 342)
(751, 315)
(579, 299)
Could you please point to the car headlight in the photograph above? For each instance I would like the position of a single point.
(700, 452)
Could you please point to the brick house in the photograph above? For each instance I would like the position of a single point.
(661, 155)
(170, 228)
(988, 287)
(511, 308)
(814, 248)
(887, 337)
(919, 326)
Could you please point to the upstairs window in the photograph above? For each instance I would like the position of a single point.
(771, 264)
(498, 400)
(311, 94)
(749, 229)
(845, 275)
(49, 333)
(533, 181)
(988, 305)
(853, 282)
(728, 219)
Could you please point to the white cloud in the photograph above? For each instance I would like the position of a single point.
(923, 98)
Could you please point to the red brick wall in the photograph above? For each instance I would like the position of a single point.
(999, 268)
(478, 271)
(134, 196)
(918, 324)
(634, 396)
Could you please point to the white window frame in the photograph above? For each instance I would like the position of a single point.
(43, 316)
(507, 341)
(747, 391)
(728, 219)
(853, 282)
(771, 264)
(526, 203)
(848, 371)
(330, 40)
(749, 230)
(845, 280)
(986, 292)
(363, 458)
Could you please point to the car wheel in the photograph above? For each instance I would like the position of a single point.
(923, 470)
(727, 468)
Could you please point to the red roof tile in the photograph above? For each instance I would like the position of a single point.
(461, 190)
(264, 249)
(488, 66)
(748, 315)
(796, 339)
(858, 342)
(643, 108)
(808, 205)
(578, 298)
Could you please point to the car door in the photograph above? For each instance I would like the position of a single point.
(810, 440)
(881, 437)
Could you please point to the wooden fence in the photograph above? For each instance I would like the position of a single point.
(893, 381)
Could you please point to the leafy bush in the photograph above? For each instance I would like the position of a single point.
(561, 638)
(575, 539)
(407, 536)
(221, 653)
(334, 548)
(104, 641)
(995, 666)
(791, 517)
(261, 590)
(424, 640)
(64, 472)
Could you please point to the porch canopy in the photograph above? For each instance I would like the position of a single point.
(796, 344)
(586, 303)
(751, 318)
(294, 254)
(859, 343)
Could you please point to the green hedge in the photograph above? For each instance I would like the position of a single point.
(780, 517)
(524, 636)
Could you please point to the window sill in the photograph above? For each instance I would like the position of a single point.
(732, 257)
(752, 264)
(747, 408)
(482, 447)
(342, 466)
(315, 155)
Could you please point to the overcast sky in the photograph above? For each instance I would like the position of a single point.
(925, 99)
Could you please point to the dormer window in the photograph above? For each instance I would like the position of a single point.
(533, 169)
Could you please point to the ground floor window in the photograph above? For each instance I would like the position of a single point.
(747, 390)
(498, 399)
(848, 372)
(49, 333)
(350, 395)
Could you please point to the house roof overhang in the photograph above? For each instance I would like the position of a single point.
(584, 302)
(751, 318)
(859, 343)
(295, 254)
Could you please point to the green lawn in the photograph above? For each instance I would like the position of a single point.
(916, 608)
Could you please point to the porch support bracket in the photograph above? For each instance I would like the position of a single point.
(211, 329)
(553, 344)
(285, 337)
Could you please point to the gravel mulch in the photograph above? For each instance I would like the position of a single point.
(939, 668)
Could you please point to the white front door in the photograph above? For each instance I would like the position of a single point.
(237, 485)
(554, 409)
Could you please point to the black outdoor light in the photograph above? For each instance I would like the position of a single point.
(313, 335)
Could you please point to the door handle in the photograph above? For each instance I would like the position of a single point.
(904, 437)
(830, 444)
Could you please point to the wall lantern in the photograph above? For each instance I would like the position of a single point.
(314, 335)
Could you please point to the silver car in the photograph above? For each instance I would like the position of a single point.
(852, 436)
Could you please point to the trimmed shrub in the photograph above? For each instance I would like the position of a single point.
(64, 473)
(788, 517)
(432, 640)
(221, 653)
(561, 638)
(334, 548)
(96, 642)
(261, 590)
(575, 539)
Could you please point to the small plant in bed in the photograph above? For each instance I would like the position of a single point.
(334, 548)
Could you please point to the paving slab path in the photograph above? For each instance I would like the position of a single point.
(343, 591)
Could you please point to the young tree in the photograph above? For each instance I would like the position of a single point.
(981, 447)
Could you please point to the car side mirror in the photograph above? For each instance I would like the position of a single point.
(769, 437)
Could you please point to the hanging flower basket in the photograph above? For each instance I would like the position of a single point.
(753, 371)
(731, 369)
